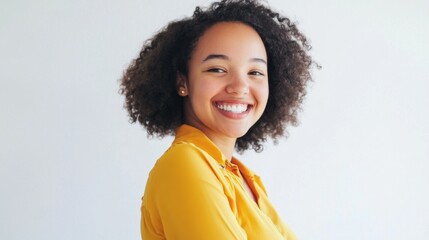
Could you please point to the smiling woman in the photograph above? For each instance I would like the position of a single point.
(227, 84)
(226, 78)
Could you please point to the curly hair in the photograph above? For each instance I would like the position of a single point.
(149, 83)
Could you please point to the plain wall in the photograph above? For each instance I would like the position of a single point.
(72, 167)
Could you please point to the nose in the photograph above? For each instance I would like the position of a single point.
(238, 85)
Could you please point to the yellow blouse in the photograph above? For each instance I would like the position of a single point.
(193, 193)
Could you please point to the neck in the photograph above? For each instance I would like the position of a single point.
(226, 145)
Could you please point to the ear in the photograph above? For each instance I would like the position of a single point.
(181, 85)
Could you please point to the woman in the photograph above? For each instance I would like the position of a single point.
(226, 78)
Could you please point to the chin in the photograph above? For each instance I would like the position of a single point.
(237, 133)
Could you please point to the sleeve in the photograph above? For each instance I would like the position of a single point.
(189, 199)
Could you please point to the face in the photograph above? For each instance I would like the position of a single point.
(226, 89)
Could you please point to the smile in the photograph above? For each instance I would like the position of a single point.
(233, 108)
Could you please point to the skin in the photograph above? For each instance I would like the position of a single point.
(226, 89)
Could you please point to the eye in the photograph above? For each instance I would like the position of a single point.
(256, 73)
(216, 70)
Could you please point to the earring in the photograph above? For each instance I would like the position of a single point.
(182, 92)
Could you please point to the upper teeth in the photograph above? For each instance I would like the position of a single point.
(235, 108)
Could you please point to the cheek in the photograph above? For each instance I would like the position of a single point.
(262, 93)
(206, 89)
(201, 94)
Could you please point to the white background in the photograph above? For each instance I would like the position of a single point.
(72, 167)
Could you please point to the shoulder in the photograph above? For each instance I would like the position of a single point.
(184, 160)
(181, 154)
(183, 169)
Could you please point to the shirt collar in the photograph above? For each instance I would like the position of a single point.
(189, 134)
(243, 169)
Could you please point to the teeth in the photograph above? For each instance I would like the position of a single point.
(235, 108)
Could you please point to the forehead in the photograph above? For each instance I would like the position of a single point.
(231, 39)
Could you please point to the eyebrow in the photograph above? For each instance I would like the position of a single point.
(224, 57)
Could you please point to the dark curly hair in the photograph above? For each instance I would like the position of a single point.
(149, 83)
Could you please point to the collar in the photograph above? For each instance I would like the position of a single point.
(243, 169)
(189, 134)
